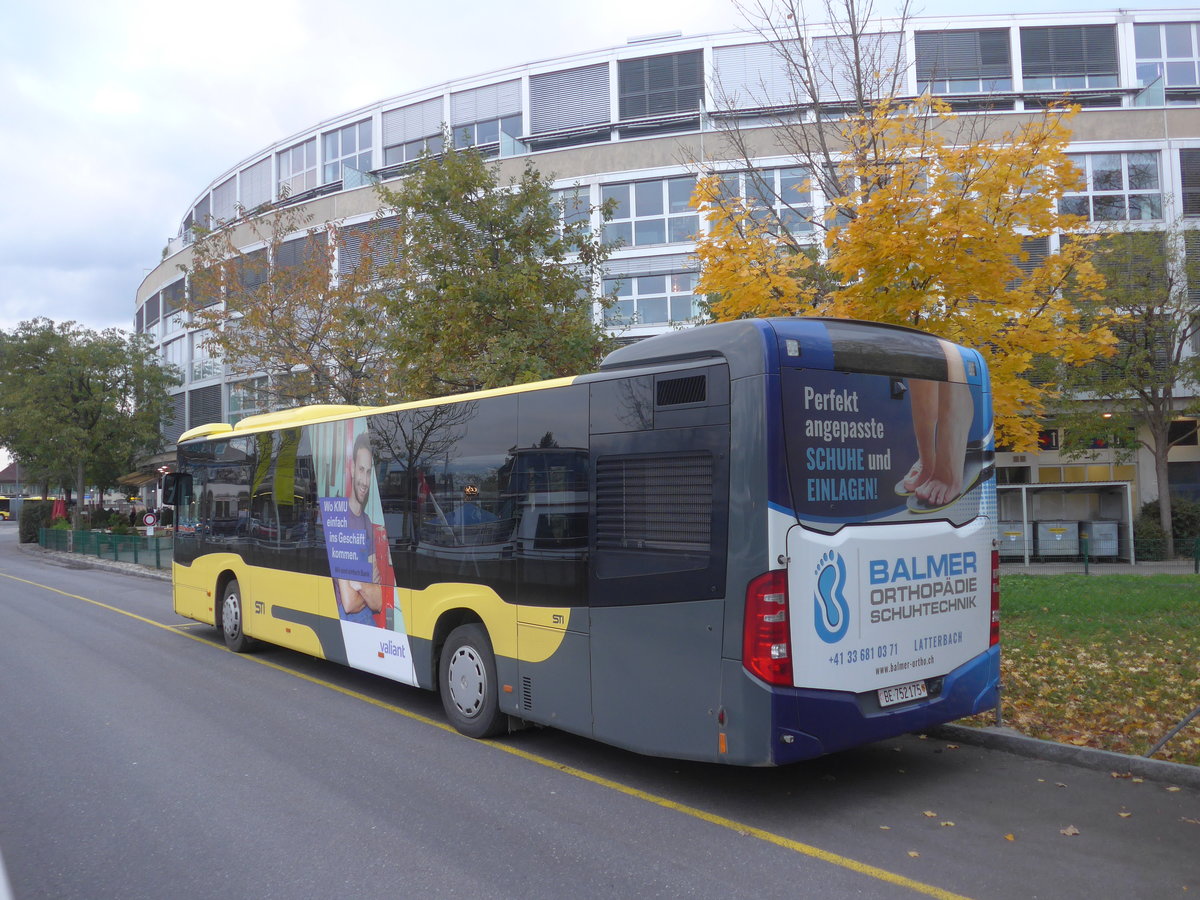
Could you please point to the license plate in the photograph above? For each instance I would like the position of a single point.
(902, 693)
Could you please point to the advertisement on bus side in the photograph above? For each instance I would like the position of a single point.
(356, 544)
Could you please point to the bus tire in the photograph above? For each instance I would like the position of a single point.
(232, 619)
(467, 683)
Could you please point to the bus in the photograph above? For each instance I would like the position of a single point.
(752, 542)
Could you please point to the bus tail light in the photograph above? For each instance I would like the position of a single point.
(994, 635)
(766, 632)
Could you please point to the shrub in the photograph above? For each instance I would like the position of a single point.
(1149, 538)
(35, 515)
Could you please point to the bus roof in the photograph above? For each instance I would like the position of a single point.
(307, 415)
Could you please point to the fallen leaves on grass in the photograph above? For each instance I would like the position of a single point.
(1110, 664)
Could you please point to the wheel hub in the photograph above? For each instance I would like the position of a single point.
(467, 681)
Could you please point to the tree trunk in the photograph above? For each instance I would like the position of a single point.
(1164, 495)
(79, 494)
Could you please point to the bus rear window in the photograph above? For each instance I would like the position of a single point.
(853, 454)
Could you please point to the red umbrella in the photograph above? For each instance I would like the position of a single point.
(60, 509)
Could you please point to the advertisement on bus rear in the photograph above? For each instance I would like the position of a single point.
(873, 606)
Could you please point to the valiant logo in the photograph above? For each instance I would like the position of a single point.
(831, 612)
(391, 648)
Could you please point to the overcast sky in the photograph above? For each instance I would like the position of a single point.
(114, 115)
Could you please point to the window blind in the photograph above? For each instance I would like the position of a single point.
(661, 85)
(224, 200)
(1069, 50)
(880, 56)
(256, 184)
(1189, 177)
(569, 99)
(412, 122)
(752, 76)
(480, 104)
(945, 55)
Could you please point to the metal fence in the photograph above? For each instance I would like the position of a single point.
(140, 549)
(1146, 557)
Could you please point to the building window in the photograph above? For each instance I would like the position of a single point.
(488, 118)
(1118, 186)
(151, 308)
(1170, 51)
(575, 204)
(349, 146)
(652, 299)
(784, 194)
(298, 169)
(651, 212)
(1069, 57)
(247, 398)
(174, 353)
(964, 62)
(173, 313)
(412, 150)
(204, 364)
(411, 131)
(492, 136)
(1182, 433)
(575, 208)
(661, 85)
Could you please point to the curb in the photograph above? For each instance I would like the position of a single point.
(1006, 739)
(82, 561)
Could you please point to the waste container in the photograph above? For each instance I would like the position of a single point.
(1057, 538)
(1013, 538)
(1103, 538)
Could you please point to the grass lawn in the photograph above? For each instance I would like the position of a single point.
(1107, 661)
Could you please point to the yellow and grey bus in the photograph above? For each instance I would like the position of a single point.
(752, 542)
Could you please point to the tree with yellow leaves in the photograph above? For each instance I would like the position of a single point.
(931, 230)
(939, 241)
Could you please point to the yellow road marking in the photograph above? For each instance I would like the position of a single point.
(740, 828)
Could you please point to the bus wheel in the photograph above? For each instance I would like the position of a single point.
(231, 620)
(467, 683)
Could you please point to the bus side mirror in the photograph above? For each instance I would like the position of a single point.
(177, 488)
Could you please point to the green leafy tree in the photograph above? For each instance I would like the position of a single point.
(1130, 399)
(488, 283)
(80, 406)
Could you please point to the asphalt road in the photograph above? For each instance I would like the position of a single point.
(140, 759)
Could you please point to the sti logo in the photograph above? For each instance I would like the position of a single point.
(831, 612)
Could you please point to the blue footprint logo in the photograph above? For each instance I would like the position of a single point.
(831, 612)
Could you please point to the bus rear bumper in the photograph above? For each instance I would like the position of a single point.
(809, 723)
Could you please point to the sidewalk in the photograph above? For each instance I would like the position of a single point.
(90, 561)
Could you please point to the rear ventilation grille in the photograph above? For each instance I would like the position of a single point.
(674, 391)
(527, 693)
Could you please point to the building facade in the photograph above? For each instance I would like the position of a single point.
(635, 123)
